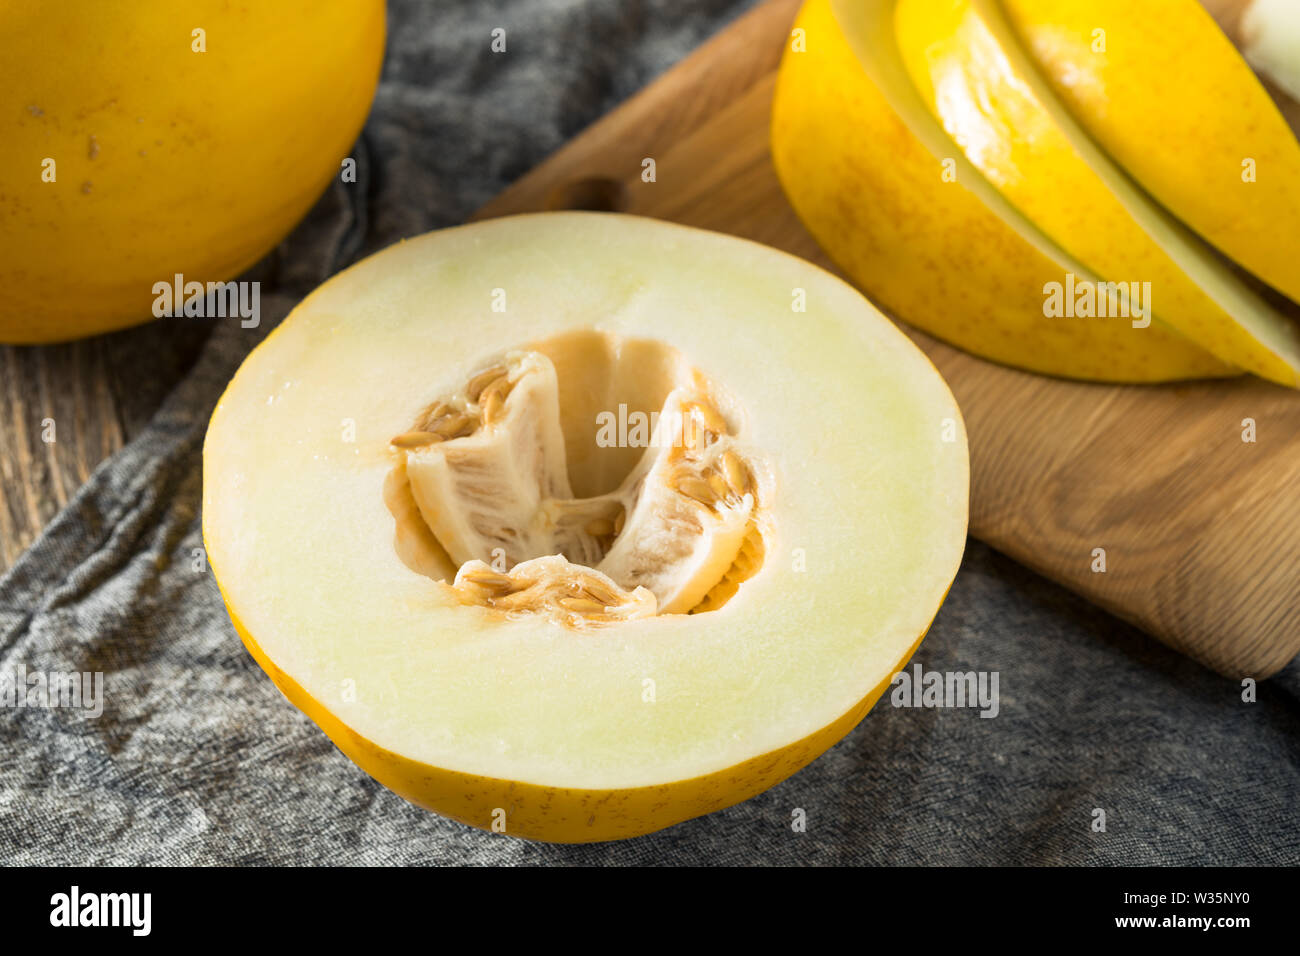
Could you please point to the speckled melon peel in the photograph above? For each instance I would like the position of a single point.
(972, 74)
(859, 158)
(1171, 100)
(551, 730)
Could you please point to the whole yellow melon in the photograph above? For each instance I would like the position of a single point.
(152, 139)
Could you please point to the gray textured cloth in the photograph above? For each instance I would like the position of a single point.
(198, 759)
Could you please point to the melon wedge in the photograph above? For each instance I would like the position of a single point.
(972, 74)
(1173, 103)
(859, 158)
(548, 699)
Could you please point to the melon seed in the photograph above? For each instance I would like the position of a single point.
(454, 425)
(697, 488)
(712, 418)
(482, 380)
(489, 579)
(718, 485)
(415, 439)
(599, 527)
(492, 407)
(581, 605)
(737, 474)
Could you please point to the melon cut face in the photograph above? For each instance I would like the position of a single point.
(575, 526)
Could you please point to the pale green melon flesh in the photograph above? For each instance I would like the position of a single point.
(850, 416)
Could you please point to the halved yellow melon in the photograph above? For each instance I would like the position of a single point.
(703, 502)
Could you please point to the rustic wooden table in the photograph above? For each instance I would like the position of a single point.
(97, 394)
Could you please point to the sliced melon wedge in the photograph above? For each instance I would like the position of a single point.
(975, 78)
(860, 158)
(1173, 102)
(750, 579)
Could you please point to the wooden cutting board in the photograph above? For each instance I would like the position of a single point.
(1200, 529)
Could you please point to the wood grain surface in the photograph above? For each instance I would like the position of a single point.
(1201, 530)
(95, 396)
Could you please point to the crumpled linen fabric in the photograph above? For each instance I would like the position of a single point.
(198, 759)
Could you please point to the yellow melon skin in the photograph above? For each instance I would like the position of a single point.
(1174, 103)
(972, 75)
(868, 185)
(166, 160)
(559, 814)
